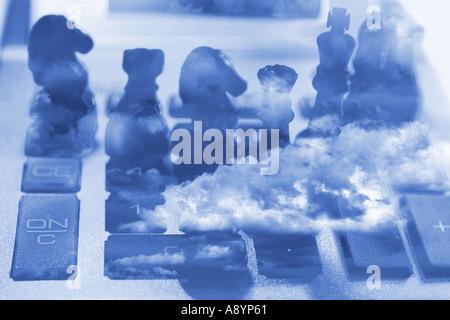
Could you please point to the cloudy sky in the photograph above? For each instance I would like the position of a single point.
(295, 8)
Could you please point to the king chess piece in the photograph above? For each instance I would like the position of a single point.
(64, 111)
(383, 89)
(332, 77)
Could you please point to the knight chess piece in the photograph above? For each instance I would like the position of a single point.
(64, 111)
(207, 77)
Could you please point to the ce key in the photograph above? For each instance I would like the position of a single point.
(46, 237)
(52, 175)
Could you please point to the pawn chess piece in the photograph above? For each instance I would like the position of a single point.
(332, 77)
(383, 89)
(64, 111)
(276, 110)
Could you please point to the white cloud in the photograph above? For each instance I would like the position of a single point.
(355, 167)
(165, 272)
(156, 266)
(213, 252)
(153, 260)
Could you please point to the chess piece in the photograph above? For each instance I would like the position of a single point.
(207, 77)
(332, 77)
(137, 142)
(276, 112)
(137, 135)
(64, 111)
(383, 89)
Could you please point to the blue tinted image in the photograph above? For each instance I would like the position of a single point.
(224, 149)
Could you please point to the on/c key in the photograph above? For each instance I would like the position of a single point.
(46, 238)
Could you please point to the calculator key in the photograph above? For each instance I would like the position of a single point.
(120, 211)
(429, 231)
(207, 265)
(216, 267)
(52, 175)
(150, 257)
(382, 247)
(289, 257)
(46, 238)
